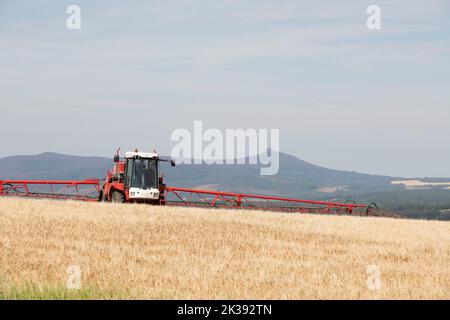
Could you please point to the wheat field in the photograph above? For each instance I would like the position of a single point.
(128, 251)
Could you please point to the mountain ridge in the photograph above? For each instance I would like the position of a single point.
(296, 178)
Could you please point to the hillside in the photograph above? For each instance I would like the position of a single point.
(51, 165)
(137, 251)
(296, 178)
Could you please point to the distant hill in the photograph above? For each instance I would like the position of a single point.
(51, 165)
(296, 178)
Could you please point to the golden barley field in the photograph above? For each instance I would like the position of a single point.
(146, 252)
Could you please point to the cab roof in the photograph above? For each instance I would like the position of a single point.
(148, 155)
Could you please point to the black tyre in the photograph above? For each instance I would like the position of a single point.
(101, 195)
(117, 196)
(371, 207)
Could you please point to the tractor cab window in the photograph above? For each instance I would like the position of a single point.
(129, 172)
(142, 173)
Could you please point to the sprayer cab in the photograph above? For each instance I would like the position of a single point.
(135, 178)
(141, 175)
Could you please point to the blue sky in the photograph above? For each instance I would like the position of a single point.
(342, 96)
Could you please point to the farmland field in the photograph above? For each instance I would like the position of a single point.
(137, 251)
